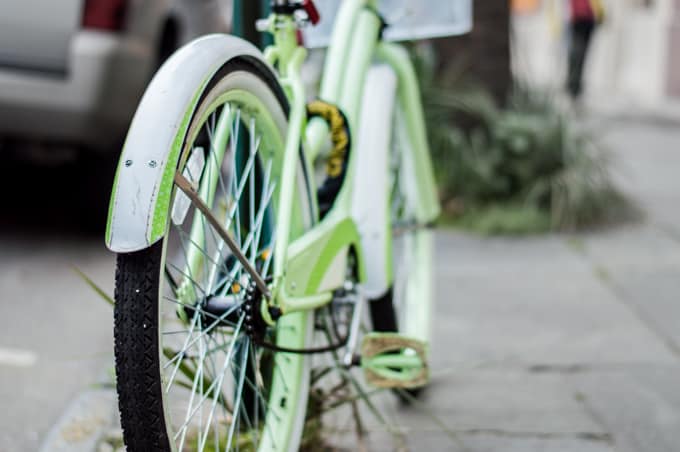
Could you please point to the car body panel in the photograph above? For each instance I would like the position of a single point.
(36, 34)
(106, 79)
(91, 101)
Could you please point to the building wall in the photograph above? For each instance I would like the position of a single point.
(631, 58)
(484, 53)
(673, 51)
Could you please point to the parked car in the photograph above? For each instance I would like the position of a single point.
(72, 71)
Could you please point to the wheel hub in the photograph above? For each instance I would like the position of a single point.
(228, 311)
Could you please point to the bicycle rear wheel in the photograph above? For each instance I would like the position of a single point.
(406, 307)
(190, 375)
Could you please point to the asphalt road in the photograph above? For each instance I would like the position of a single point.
(55, 334)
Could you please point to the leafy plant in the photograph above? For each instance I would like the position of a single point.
(501, 219)
(526, 167)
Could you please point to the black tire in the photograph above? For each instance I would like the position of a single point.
(136, 334)
(141, 278)
(383, 313)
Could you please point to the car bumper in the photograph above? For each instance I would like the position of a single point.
(92, 104)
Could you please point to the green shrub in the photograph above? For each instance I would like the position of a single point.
(501, 219)
(524, 168)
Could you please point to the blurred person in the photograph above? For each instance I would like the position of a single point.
(524, 6)
(585, 16)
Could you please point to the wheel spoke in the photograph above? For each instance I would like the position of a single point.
(249, 237)
(219, 318)
(214, 405)
(217, 383)
(211, 260)
(189, 273)
(233, 246)
(181, 353)
(215, 386)
(268, 260)
(264, 204)
(203, 333)
(198, 376)
(239, 394)
(251, 185)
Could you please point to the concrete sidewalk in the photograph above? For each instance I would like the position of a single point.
(557, 343)
(563, 343)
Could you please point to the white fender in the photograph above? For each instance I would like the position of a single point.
(370, 197)
(143, 184)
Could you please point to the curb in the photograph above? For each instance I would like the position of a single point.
(83, 424)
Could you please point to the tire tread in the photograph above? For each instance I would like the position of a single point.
(136, 335)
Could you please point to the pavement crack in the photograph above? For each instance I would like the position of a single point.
(586, 436)
(558, 368)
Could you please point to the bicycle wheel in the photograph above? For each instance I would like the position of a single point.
(406, 306)
(189, 374)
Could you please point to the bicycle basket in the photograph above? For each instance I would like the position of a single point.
(407, 20)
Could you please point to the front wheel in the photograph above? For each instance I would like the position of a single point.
(190, 373)
(406, 307)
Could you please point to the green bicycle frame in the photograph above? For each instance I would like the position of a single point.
(300, 266)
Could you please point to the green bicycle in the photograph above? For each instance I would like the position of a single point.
(237, 261)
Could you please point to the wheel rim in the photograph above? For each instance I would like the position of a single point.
(220, 390)
(403, 256)
(411, 245)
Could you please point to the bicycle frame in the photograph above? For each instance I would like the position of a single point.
(309, 268)
(303, 278)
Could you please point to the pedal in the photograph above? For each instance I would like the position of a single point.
(390, 360)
